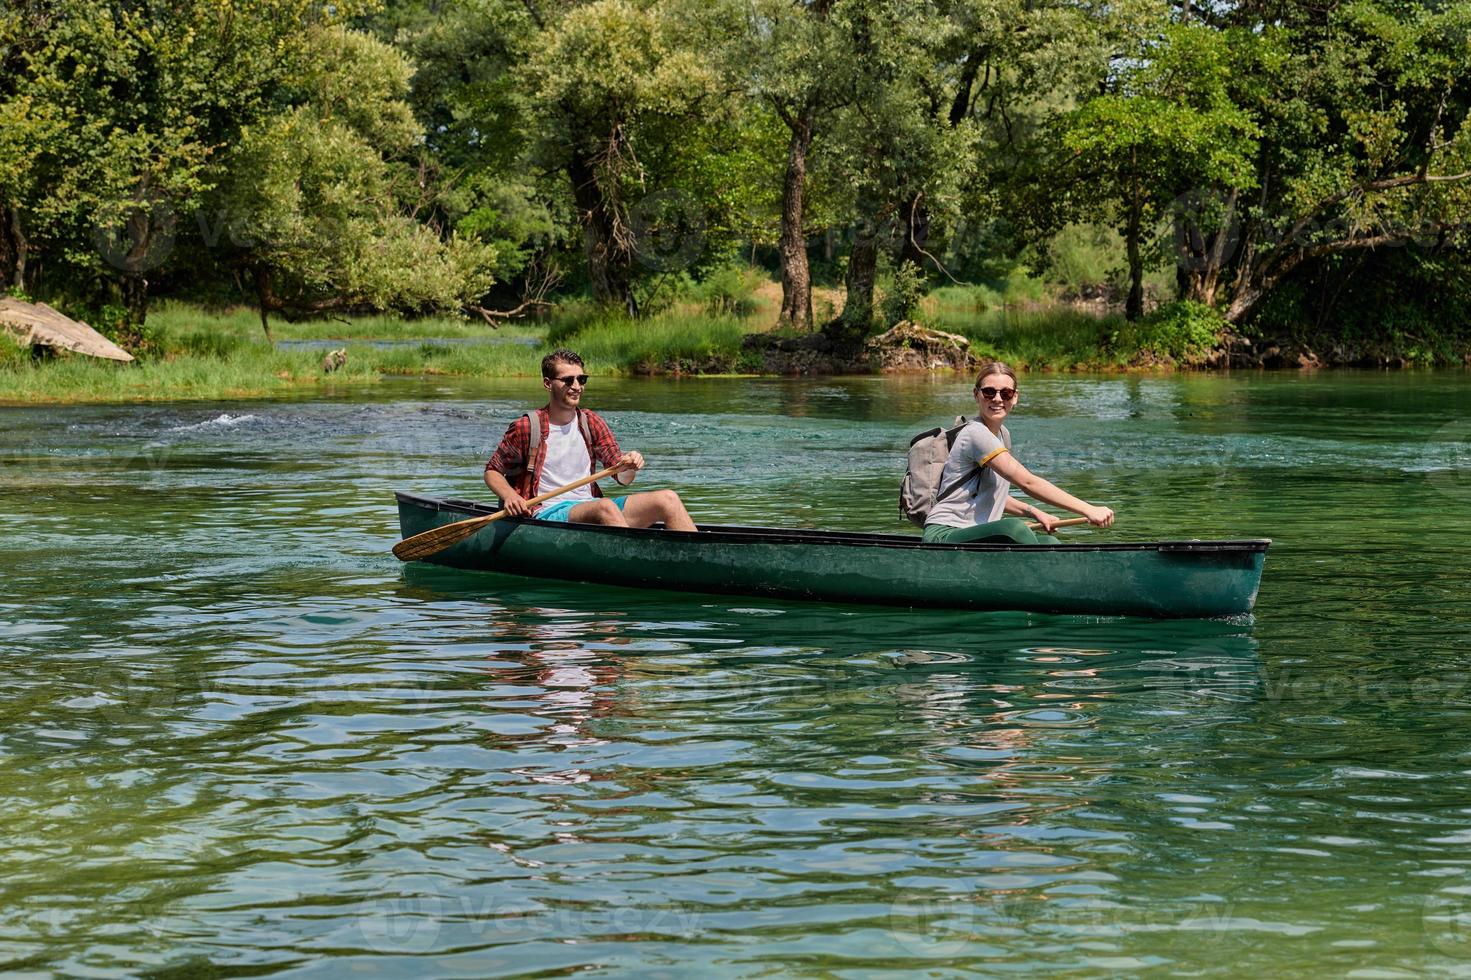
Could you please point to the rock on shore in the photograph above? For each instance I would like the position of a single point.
(907, 346)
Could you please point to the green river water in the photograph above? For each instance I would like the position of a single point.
(238, 738)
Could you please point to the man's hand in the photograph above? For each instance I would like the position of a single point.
(516, 505)
(1049, 523)
(631, 461)
(1099, 516)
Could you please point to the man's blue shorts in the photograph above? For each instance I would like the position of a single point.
(558, 510)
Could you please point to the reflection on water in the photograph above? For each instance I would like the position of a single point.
(238, 737)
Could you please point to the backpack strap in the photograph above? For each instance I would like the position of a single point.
(960, 422)
(533, 439)
(533, 433)
(960, 483)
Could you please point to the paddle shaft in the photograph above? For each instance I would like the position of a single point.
(600, 474)
(437, 539)
(1070, 522)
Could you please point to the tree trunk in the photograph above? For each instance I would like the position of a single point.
(609, 260)
(796, 277)
(266, 299)
(134, 291)
(857, 318)
(1244, 302)
(914, 231)
(1134, 307)
(13, 250)
(1202, 257)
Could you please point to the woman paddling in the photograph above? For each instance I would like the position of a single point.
(975, 484)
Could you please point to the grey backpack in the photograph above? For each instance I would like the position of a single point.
(921, 488)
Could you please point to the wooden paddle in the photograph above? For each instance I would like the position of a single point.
(433, 541)
(1070, 522)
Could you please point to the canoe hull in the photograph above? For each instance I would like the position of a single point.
(1177, 579)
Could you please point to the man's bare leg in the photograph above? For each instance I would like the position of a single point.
(599, 510)
(643, 509)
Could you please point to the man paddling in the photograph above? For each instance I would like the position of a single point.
(563, 448)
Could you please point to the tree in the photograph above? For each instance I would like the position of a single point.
(26, 125)
(599, 75)
(138, 98)
(801, 64)
(317, 223)
(1167, 125)
(1365, 140)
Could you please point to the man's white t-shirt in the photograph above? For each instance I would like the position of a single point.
(567, 462)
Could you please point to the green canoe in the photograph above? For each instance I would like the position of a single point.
(1161, 578)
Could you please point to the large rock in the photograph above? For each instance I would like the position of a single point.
(908, 346)
(38, 324)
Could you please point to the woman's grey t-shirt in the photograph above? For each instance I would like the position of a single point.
(979, 500)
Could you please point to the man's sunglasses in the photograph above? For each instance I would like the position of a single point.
(988, 393)
(579, 378)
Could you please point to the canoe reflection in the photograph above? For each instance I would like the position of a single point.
(571, 657)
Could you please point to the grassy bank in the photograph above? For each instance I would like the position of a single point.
(192, 354)
(188, 353)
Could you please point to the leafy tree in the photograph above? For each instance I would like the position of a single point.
(1167, 125)
(317, 223)
(1365, 142)
(470, 92)
(26, 126)
(601, 76)
(139, 97)
(801, 63)
(135, 119)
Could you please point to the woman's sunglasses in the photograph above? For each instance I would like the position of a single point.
(988, 393)
(579, 378)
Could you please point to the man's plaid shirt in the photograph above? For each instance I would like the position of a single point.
(510, 460)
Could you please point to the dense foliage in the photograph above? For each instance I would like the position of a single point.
(1275, 159)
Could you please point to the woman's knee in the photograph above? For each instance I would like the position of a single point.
(1011, 525)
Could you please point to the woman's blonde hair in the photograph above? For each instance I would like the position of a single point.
(994, 367)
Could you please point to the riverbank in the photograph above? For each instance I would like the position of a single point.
(187, 353)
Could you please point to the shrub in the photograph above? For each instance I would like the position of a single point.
(903, 292)
(1183, 332)
(13, 353)
(144, 341)
(729, 290)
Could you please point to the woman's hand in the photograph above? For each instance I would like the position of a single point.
(1099, 516)
(1049, 523)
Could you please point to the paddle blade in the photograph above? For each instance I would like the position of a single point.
(435, 540)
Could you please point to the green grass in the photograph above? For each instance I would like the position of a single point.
(182, 319)
(222, 354)
(679, 341)
(1048, 339)
(218, 355)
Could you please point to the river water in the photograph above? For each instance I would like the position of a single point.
(238, 737)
